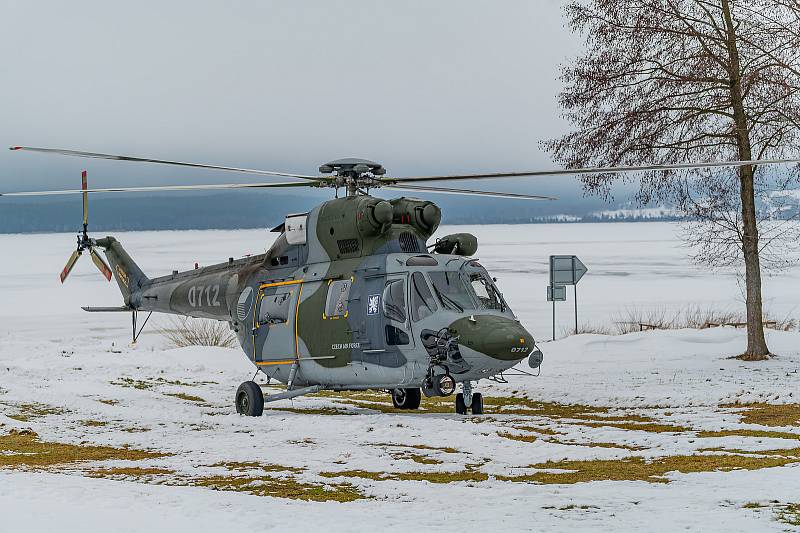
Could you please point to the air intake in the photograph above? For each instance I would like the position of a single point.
(408, 242)
(347, 246)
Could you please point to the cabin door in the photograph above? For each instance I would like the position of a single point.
(274, 323)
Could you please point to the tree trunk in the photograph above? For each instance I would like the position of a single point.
(756, 343)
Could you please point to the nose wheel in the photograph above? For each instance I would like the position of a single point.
(469, 401)
(249, 399)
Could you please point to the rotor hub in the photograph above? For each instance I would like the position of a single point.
(355, 174)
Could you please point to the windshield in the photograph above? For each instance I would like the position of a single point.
(470, 290)
(452, 291)
(488, 295)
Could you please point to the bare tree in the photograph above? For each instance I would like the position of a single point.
(675, 81)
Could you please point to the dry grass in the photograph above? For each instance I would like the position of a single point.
(789, 514)
(185, 331)
(630, 319)
(246, 466)
(639, 469)
(284, 487)
(25, 412)
(431, 477)
(184, 396)
(766, 414)
(23, 449)
(127, 473)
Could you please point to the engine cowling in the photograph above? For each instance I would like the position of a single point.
(457, 244)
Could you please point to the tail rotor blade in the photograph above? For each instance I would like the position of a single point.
(70, 263)
(100, 264)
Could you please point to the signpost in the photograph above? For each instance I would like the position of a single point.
(564, 270)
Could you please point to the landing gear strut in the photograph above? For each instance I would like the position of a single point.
(469, 400)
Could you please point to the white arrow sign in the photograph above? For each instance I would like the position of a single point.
(566, 270)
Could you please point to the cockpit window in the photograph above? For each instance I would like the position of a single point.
(487, 294)
(394, 300)
(422, 302)
(451, 290)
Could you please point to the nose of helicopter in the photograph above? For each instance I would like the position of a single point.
(498, 337)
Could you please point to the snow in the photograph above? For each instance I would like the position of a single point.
(53, 353)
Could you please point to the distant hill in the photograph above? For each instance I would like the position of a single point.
(254, 209)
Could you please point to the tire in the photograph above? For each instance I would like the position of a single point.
(444, 385)
(249, 399)
(406, 398)
(477, 403)
(461, 408)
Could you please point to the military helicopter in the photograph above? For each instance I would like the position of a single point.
(350, 296)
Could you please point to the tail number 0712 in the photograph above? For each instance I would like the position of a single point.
(200, 295)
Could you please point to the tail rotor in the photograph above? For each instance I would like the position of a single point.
(84, 242)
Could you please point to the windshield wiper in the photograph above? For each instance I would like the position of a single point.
(446, 300)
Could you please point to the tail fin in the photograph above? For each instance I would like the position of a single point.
(129, 276)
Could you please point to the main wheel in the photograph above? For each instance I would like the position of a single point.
(444, 385)
(406, 398)
(477, 403)
(461, 407)
(249, 399)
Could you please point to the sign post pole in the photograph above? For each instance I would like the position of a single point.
(564, 270)
(575, 293)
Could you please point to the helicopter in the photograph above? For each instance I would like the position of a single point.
(351, 295)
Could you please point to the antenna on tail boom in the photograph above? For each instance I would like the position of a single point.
(84, 242)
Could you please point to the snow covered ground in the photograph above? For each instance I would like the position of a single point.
(600, 404)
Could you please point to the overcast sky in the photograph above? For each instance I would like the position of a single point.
(420, 86)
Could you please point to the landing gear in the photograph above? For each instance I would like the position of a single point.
(406, 398)
(477, 404)
(461, 407)
(249, 399)
(444, 385)
(469, 400)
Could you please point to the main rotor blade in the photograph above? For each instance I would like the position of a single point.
(100, 264)
(160, 188)
(96, 155)
(70, 263)
(593, 170)
(468, 192)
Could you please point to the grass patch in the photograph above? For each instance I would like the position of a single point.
(244, 466)
(135, 472)
(445, 449)
(25, 412)
(94, 423)
(416, 457)
(782, 452)
(184, 396)
(431, 477)
(109, 402)
(521, 438)
(766, 414)
(131, 383)
(328, 411)
(541, 431)
(24, 449)
(650, 427)
(288, 488)
(639, 469)
(789, 514)
(748, 433)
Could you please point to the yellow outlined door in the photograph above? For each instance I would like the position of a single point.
(275, 317)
